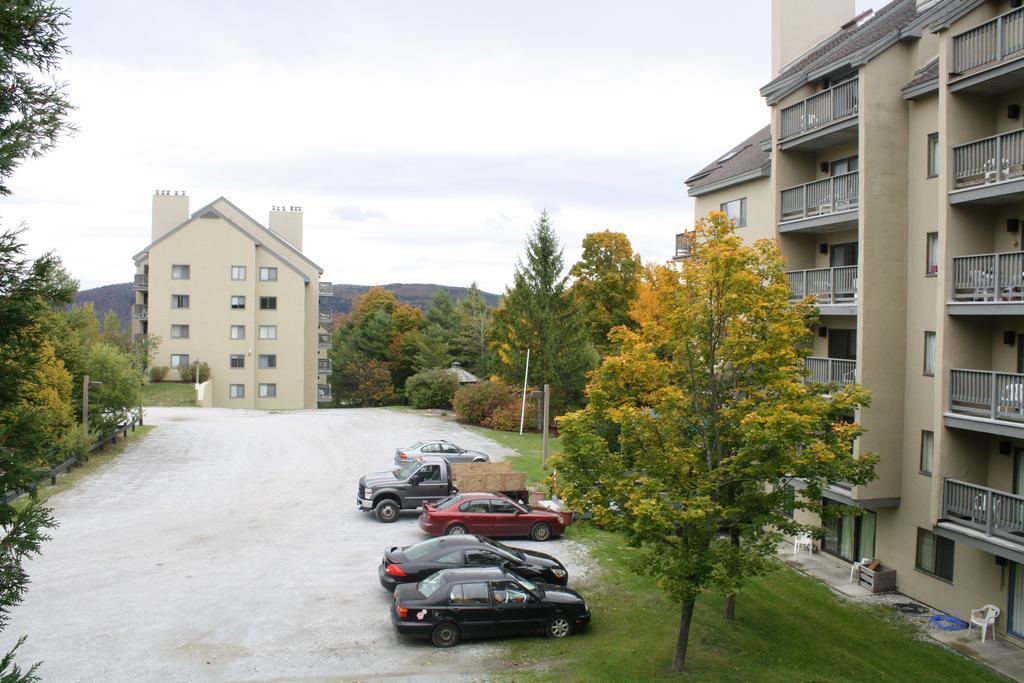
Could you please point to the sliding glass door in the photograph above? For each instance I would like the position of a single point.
(851, 537)
(1015, 620)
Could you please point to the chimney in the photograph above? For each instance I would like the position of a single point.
(799, 25)
(170, 209)
(286, 221)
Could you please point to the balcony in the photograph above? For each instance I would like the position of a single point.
(140, 312)
(988, 284)
(987, 58)
(987, 402)
(324, 341)
(983, 516)
(990, 170)
(325, 316)
(834, 288)
(323, 366)
(326, 289)
(684, 246)
(825, 205)
(141, 282)
(839, 371)
(823, 120)
(323, 393)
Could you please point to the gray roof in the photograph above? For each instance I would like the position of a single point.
(745, 161)
(855, 44)
(926, 79)
(464, 376)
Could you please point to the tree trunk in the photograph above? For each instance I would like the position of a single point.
(730, 599)
(679, 661)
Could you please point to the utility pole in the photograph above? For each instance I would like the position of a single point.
(547, 418)
(526, 375)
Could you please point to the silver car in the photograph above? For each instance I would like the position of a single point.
(438, 448)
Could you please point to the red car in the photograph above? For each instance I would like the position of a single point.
(491, 514)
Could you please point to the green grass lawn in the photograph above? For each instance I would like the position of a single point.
(168, 394)
(529, 446)
(96, 460)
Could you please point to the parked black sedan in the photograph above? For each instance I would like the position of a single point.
(485, 602)
(418, 561)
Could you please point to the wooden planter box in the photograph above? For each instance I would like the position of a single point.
(880, 580)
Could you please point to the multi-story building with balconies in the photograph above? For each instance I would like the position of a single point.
(893, 180)
(220, 288)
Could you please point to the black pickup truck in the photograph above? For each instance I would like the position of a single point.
(423, 480)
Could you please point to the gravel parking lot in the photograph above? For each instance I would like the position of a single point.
(227, 546)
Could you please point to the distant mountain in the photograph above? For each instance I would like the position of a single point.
(120, 297)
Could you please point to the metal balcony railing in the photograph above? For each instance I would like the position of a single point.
(323, 366)
(326, 289)
(830, 285)
(821, 197)
(990, 160)
(323, 393)
(989, 43)
(987, 394)
(684, 245)
(324, 340)
(325, 316)
(831, 370)
(140, 312)
(819, 110)
(141, 281)
(989, 277)
(996, 513)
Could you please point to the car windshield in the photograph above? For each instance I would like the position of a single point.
(448, 502)
(431, 584)
(501, 546)
(415, 552)
(406, 472)
(528, 585)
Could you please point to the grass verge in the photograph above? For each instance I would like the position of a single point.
(529, 446)
(96, 460)
(168, 394)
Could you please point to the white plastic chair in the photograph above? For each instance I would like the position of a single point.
(855, 567)
(803, 541)
(984, 617)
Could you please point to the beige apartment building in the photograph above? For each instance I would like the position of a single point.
(218, 287)
(892, 176)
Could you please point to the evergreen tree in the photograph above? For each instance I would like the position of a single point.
(472, 330)
(441, 312)
(433, 352)
(538, 313)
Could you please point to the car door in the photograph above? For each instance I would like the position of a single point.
(504, 519)
(453, 453)
(431, 486)
(516, 610)
(469, 605)
(476, 516)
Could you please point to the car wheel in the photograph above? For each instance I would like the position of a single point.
(559, 626)
(479, 460)
(446, 635)
(455, 530)
(387, 511)
(540, 532)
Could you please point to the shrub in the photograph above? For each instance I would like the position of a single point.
(475, 402)
(157, 373)
(431, 389)
(506, 417)
(185, 373)
(188, 372)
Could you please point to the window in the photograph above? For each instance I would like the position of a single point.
(268, 391)
(450, 558)
(477, 557)
(510, 594)
(179, 359)
(236, 391)
(179, 300)
(179, 272)
(237, 302)
(268, 331)
(931, 259)
(237, 272)
(268, 273)
(935, 555)
(737, 211)
(268, 360)
(933, 155)
(927, 451)
(237, 360)
(841, 166)
(268, 303)
(503, 507)
(470, 594)
(238, 331)
(179, 331)
(929, 354)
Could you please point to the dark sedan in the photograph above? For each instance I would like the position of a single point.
(416, 562)
(493, 515)
(484, 602)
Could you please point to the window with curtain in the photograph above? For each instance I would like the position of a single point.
(929, 354)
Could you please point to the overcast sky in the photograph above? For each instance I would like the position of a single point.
(421, 137)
